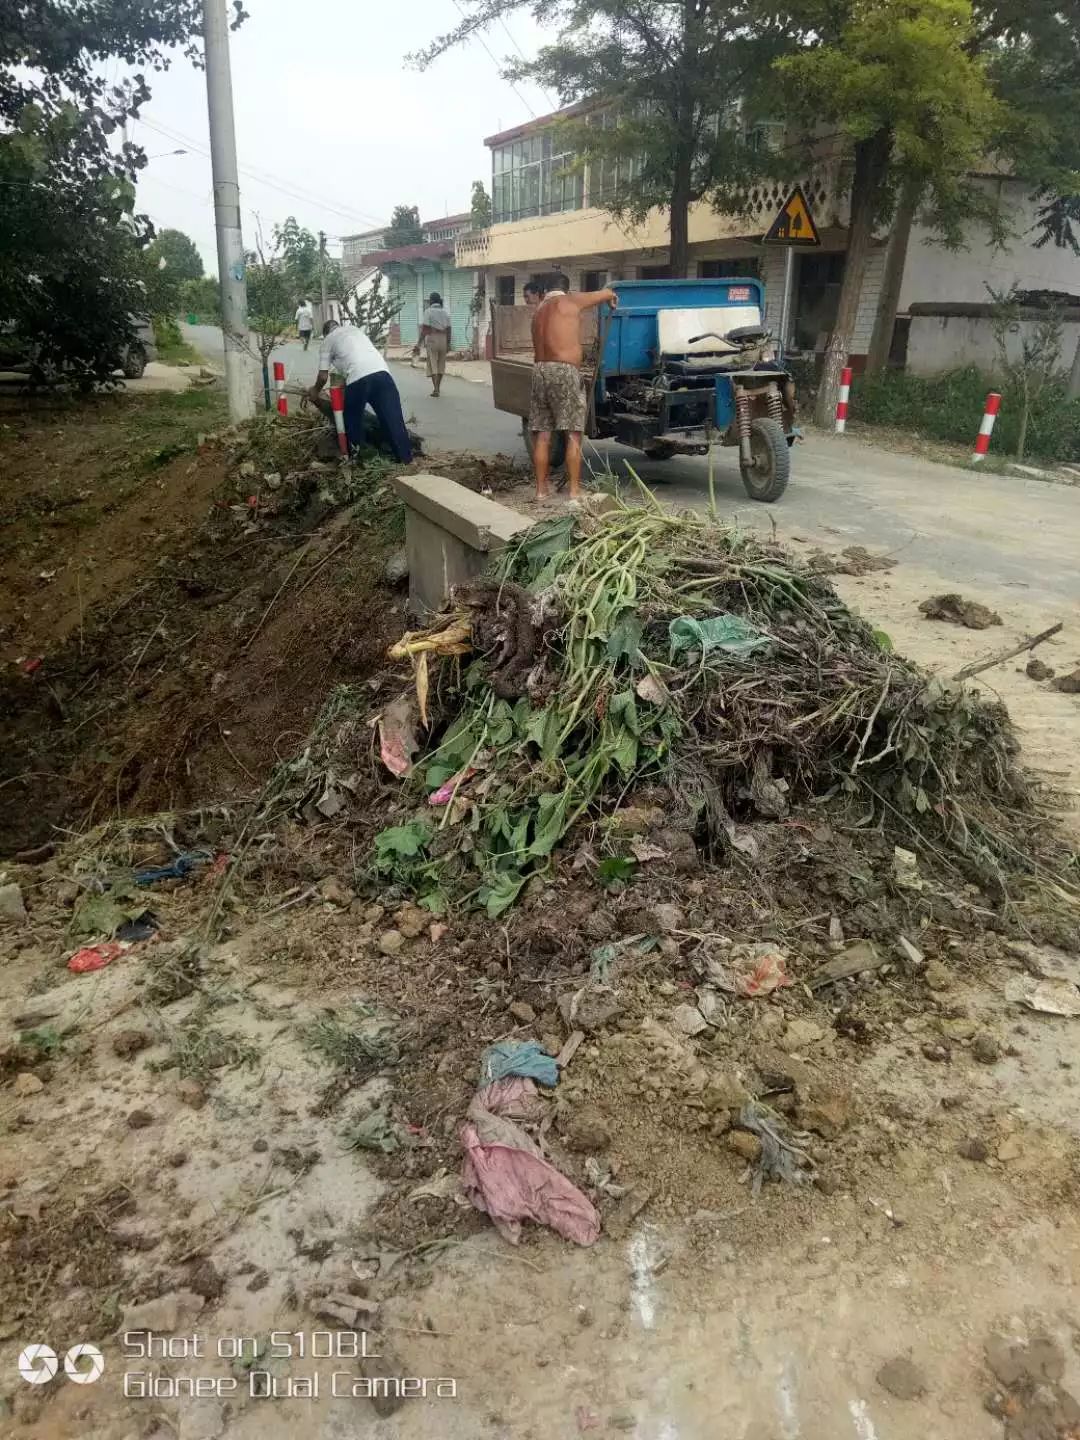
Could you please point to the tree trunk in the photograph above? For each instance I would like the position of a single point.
(893, 277)
(1073, 391)
(871, 166)
(679, 247)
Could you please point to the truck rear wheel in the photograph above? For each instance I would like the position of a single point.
(558, 446)
(766, 477)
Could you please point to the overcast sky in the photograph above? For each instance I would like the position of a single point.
(326, 109)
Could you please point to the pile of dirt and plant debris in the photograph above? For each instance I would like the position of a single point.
(635, 648)
(673, 799)
(648, 825)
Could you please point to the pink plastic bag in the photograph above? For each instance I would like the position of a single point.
(506, 1175)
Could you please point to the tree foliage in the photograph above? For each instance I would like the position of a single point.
(372, 309)
(404, 227)
(71, 269)
(480, 209)
(178, 251)
(297, 250)
(668, 89)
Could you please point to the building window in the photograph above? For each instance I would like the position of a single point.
(593, 279)
(654, 272)
(742, 265)
(611, 175)
(530, 178)
(504, 289)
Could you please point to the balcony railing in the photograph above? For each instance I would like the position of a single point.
(471, 249)
(757, 208)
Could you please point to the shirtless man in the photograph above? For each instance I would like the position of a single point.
(557, 400)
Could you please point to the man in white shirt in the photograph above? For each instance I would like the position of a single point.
(305, 321)
(367, 382)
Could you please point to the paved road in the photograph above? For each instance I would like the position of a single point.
(963, 528)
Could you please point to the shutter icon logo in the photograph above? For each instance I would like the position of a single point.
(83, 1364)
(37, 1364)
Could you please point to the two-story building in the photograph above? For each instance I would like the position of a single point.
(414, 271)
(547, 216)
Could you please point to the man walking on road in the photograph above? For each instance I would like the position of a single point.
(557, 399)
(305, 321)
(367, 382)
(435, 338)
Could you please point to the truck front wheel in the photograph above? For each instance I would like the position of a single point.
(766, 477)
(558, 446)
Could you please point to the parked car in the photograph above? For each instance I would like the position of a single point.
(18, 357)
(141, 351)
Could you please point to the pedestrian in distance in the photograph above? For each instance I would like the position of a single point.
(435, 338)
(305, 322)
(557, 398)
(347, 350)
(533, 293)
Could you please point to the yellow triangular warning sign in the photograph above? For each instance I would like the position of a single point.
(794, 225)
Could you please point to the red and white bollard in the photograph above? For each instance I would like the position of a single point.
(279, 386)
(337, 400)
(842, 403)
(982, 440)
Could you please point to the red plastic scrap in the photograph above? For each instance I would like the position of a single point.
(35, 662)
(95, 957)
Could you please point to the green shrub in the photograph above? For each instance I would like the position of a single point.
(949, 407)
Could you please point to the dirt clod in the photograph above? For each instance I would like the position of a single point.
(391, 941)
(587, 1130)
(26, 1084)
(1069, 684)
(985, 1048)
(903, 1378)
(12, 909)
(523, 1012)
(827, 1114)
(127, 1043)
(332, 890)
(191, 1093)
(958, 611)
(972, 1148)
(139, 1119)
(1037, 669)
(744, 1144)
(206, 1280)
(937, 975)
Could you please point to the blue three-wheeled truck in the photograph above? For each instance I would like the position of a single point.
(678, 366)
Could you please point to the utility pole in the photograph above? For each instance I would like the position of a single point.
(322, 277)
(230, 244)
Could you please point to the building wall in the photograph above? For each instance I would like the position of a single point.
(412, 284)
(934, 273)
(944, 342)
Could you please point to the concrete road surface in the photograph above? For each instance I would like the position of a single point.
(958, 526)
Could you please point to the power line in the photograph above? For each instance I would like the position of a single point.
(477, 36)
(517, 47)
(264, 177)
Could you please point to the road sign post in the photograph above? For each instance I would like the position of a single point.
(793, 228)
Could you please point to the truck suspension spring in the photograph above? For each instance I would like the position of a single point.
(742, 415)
(776, 406)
